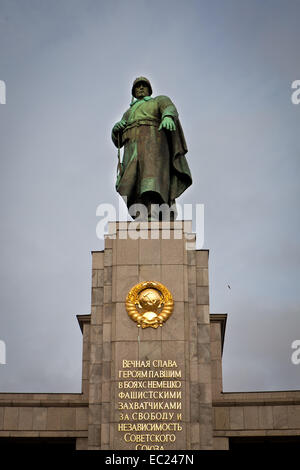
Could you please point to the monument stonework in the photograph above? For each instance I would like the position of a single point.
(150, 387)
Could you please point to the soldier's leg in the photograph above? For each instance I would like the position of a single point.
(157, 209)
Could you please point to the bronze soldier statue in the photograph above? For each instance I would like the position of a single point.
(154, 169)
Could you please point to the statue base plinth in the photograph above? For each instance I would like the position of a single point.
(150, 388)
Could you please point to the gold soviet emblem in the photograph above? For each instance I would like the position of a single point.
(149, 303)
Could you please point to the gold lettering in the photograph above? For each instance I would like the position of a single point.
(136, 364)
(142, 427)
(146, 393)
(160, 363)
(128, 437)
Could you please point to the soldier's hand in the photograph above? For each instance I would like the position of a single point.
(167, 123)
(119, 126)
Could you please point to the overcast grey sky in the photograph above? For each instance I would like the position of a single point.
(68, 66)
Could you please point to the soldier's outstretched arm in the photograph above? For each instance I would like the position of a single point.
(167, 123)
(169, 113)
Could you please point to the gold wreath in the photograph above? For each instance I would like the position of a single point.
(135, 310)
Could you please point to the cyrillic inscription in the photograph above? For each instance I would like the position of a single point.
(149, 406)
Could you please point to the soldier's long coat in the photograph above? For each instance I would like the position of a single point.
(153, 160)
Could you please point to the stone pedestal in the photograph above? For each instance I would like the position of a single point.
(150, 388)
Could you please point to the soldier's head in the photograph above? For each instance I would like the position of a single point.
(141, 87)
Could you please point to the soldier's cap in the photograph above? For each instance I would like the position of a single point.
(138, 80)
